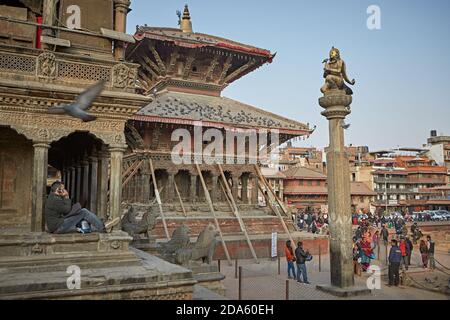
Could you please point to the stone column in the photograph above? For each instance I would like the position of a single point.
(78, 174)
(120, 22)
(115, 183)
(255, 190)
(84, 199)
(72, 185)
(336, 106)
(193, 188)
(214, 179)
(244, 190)
(93, 164)
(102, 184)
(39, 183)
(235, 187)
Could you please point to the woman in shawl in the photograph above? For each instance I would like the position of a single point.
(366, 254)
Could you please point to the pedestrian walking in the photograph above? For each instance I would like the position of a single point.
(424, 253)
(385, 234)
(409, 249)
(430, 245)
(403, 249)
(395, 257)
(290, 259)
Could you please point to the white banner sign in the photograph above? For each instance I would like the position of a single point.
(274, 244)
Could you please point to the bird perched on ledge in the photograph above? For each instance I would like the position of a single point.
(84, 101)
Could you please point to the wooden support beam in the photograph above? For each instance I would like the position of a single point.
(179, 197)
(208, 199)
(158, 199)
(274, 208)
(269, 188)
(238, 71)
(236, 213)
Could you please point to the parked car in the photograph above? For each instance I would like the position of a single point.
(436, 216)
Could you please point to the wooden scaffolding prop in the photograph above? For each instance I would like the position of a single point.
(158, 199)
(179, 198)
(211, 207)
(234, 208)
(273, 206)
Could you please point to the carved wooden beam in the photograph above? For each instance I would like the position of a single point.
(144, 78)
(212, 66)
(135, 135)
(149, 70)
(160, 63)
(239, 70)
(226, 66)
(188, 66)
(153, 65)
(173, 60)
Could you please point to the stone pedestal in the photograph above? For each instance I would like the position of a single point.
(34, 266)
(336, 104)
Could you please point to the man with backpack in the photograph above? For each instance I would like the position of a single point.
(395, 257)
(301, 257)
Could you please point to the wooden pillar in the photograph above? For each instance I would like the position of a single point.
(102, 184)
(255, 190)
(193, 188)
(39, 183)
(93, 164)
(115, 183)
(244, 190)
(214, 187)
(146, 185)
(235, 187)
(170, 186)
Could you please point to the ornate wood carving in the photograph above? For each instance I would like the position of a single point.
(226, 66)
(160, 63)
(239, 70)
(188, 66)
(210, 71)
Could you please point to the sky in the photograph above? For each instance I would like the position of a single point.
(402, 70)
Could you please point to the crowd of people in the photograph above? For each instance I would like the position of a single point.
(367, 238)
(312, 221)
(371, 233)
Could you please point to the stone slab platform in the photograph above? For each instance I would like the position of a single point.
(34, 266)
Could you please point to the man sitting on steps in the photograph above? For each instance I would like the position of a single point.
(62, 217)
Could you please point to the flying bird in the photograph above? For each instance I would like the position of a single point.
(84, 101)
(344, 125)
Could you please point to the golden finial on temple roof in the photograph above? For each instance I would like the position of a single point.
(185, 21)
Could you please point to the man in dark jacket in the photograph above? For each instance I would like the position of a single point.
(384, 234)
(59, 216)
(300, 258)
(395, 257)
(409, 249)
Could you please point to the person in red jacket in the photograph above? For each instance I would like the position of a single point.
(404, 261)
(290, 258)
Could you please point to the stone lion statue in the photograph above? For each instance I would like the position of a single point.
(203, 248)
(179, 240)
(133, 227)
(335, 73)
